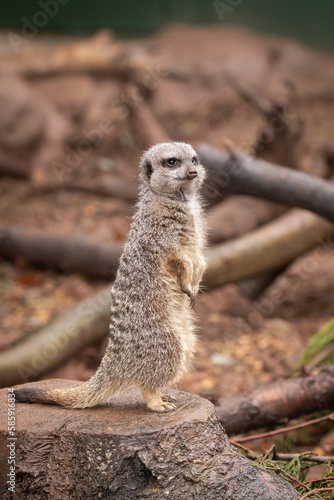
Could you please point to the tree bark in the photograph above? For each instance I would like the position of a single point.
(242, 174)
(123, 451)
(276, 404)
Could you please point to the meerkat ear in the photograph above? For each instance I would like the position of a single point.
(149, 170)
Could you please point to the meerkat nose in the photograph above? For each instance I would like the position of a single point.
(192, 174)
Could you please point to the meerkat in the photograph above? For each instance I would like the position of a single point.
(151, 335)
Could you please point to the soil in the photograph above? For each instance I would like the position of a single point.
(243, 343)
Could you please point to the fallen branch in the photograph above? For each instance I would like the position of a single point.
(242, 174)
(46, 349)
(284, 430)
(266, 249)
(270, 247)
(239, 215)
(277, 403)
(79, 254)
(318, 459)
(72, 253)
(313, 492)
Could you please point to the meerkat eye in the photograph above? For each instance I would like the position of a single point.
(171, 162)
(194, 160)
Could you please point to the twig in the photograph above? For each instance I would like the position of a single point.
(319, 358)
(314, 492)
(300, 483)
(250, 454)
(238, 445)
(285, 429)
(289, 456)
(328, 478)
(266, 455)
(316, 458)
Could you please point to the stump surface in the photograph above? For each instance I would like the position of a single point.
(123, 451)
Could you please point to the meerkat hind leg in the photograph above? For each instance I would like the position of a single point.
(155, 402)
(168, 397)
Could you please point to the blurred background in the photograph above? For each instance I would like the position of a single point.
(304, 20)
(84, 88)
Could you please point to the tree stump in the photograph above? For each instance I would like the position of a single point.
(123, 451)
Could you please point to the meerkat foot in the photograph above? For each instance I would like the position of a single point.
(168, 398)
(155, 402)
(164, 407)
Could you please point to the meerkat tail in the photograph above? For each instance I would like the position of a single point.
(86, 395)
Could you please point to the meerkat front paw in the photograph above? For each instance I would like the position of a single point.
(192, 296)
(192, 300)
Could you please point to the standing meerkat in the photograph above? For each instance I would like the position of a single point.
(152, 339)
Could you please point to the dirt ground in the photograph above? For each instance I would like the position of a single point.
(243, 343)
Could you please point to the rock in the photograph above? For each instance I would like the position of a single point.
(123, 451)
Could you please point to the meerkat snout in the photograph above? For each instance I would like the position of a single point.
(192, 174)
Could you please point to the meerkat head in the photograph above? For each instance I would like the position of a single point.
(170, 167)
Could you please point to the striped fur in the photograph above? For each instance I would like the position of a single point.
(152, 339)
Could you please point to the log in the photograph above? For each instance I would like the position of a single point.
(242, 174)
(123, 451)
(266, 249)
(46, 349)
(238, 215)
(75, 254)
(277, 403)
(270, 247)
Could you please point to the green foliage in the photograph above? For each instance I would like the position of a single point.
(297, 467)
(321, 340)
(295, 471)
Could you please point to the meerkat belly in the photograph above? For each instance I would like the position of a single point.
(181, 321)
